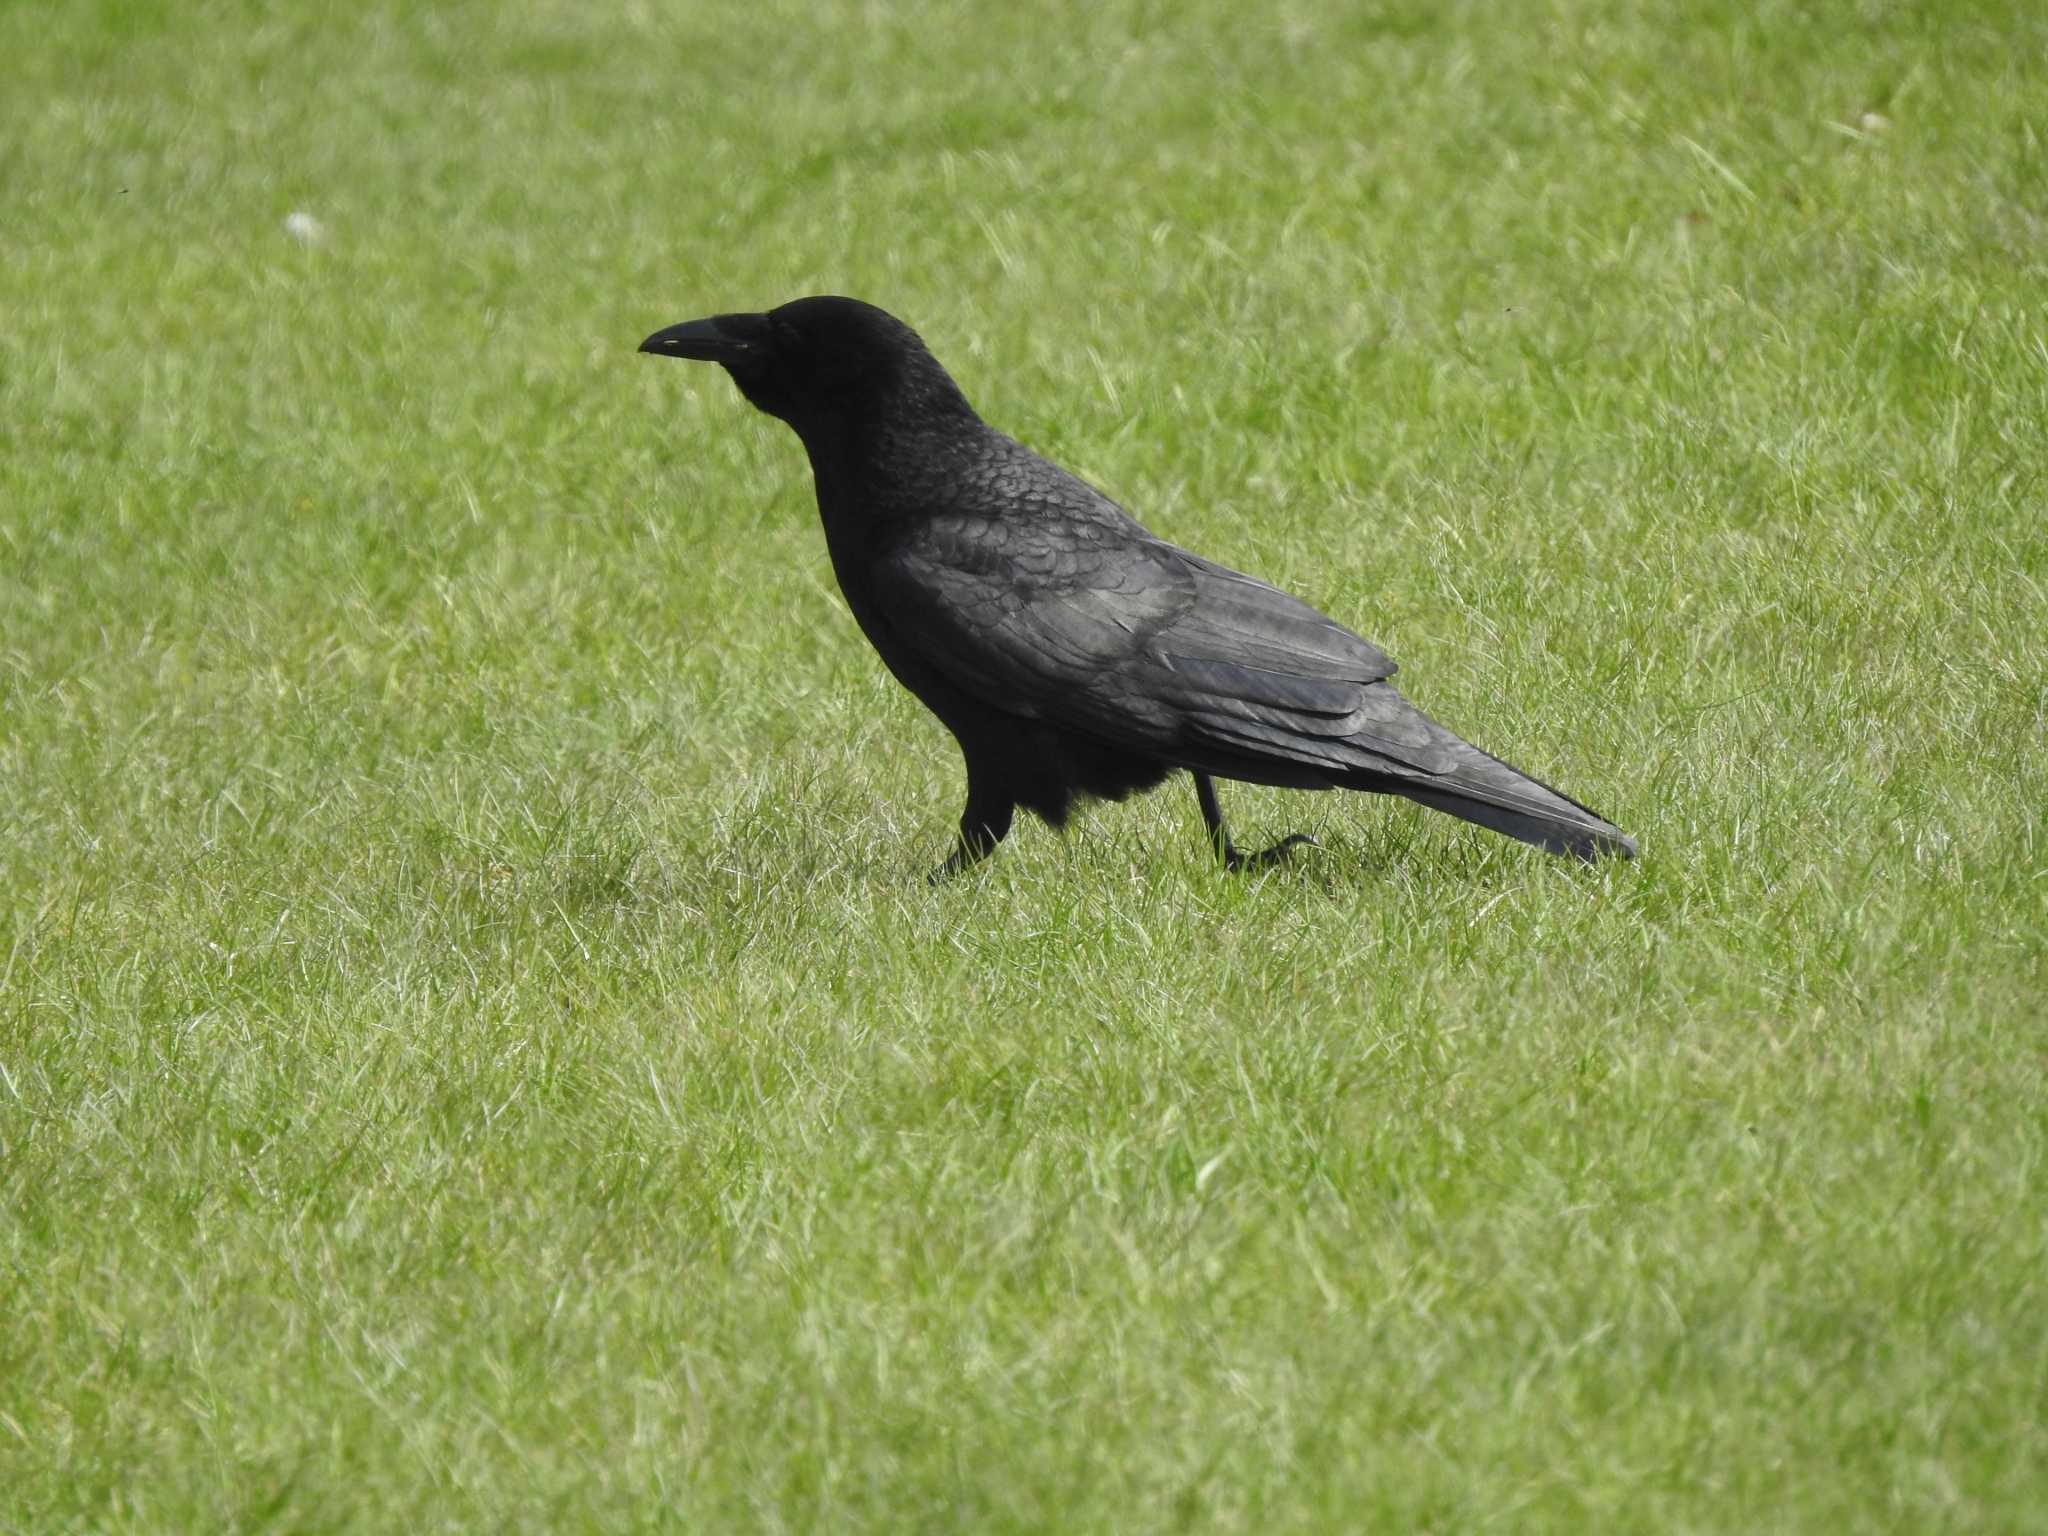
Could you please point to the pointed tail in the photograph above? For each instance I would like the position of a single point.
(1479, 787)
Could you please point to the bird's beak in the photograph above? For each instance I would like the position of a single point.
(713, 341)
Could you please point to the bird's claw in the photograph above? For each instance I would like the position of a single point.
(1238, 863)
(964, 857)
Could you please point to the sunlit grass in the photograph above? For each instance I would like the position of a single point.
(476, 1049)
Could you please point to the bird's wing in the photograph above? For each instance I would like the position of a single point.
(1094, 625)
(1258, 671)
(1036, 619)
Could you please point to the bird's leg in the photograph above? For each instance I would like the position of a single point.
(984, 823)
(1219, 834)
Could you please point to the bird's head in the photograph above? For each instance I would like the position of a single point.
(823, 365)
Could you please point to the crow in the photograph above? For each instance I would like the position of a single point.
(1071, 652)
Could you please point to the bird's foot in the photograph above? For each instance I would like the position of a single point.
(965, 857)
(1238, 863)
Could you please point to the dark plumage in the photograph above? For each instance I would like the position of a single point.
(1070, 651)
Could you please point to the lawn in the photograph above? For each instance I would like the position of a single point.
(477, 1051)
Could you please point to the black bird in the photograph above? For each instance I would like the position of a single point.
(1072, 652)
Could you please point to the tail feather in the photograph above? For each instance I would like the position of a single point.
(1386, 745)
(1478, 787)
(1587, 838)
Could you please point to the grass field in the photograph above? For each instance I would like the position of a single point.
(476, 1049)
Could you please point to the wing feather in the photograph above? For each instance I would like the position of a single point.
(1140, 643)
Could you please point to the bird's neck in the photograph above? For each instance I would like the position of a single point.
(875, 489)
(894, 454)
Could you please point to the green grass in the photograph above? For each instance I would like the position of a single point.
(476, 1050)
